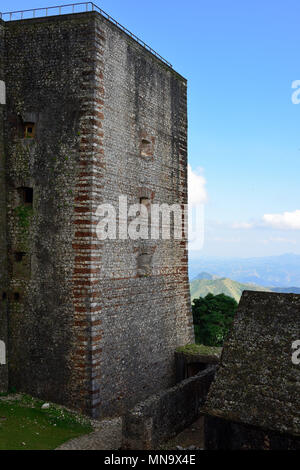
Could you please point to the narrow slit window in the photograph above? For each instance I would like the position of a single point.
(144, 264)
(26, 195)
(146, 147)
(19, 255)
(29, 130)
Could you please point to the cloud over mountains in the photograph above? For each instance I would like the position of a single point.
(283, 221)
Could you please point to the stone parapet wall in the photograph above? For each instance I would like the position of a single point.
(165, 414)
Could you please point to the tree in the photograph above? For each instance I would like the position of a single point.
(213, 316)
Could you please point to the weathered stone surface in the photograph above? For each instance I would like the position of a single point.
(47, 62)
(222, 434)
(85, 328)
(192, 358)
(200, 353)
(257, 383)
(108, 436)
(165, 414)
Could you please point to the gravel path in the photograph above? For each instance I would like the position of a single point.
(108, 436)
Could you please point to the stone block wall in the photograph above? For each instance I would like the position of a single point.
(167, 413)
(223, 434)
(88, 325)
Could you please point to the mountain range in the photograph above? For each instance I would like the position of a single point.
(270, 271)
(206, 283)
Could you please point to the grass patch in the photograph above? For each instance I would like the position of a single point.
(25, 425)
(200, 349)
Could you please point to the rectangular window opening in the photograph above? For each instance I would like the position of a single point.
(29, 130)
(19, 255)
(147, 146)
(26, 195)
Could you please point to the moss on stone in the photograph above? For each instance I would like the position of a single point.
(200, 349)
(24, 215)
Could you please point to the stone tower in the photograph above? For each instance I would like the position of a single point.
(89, 115)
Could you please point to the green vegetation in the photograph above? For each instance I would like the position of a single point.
(202, 287)
(24, 214)
(200, 350)
(213, 316)
(25, 425)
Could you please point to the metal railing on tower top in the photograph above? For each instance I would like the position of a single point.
(73, 8)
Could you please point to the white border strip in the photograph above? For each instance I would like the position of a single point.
(2, 92)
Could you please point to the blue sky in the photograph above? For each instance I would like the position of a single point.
(240, 59)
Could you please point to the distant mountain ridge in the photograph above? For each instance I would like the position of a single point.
(202, 287)
(275, 271)
(205, 275)
(286, 290)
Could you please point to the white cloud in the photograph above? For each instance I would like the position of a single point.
(196, 187)
(286, 220)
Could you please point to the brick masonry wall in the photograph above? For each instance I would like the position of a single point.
(85, 328)
(87, 249)
(3, 227)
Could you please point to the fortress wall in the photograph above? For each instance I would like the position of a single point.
(3, 226)
(143, 318)
(89, 326)
(49, 83)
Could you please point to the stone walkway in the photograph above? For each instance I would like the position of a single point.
(108, 436)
